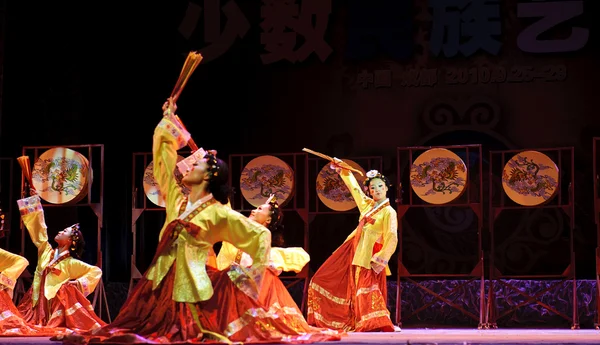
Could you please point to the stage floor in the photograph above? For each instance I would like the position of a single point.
(434, 336)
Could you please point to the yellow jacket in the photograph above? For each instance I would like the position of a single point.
(218, 223)
(383, 231)
(11, 267)
(87, 276)
(291, 259)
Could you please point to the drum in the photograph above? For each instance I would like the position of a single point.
(266, 175)
(61, 176)
(530, 178)
(332, 190)
(438, 176)
(151, 186)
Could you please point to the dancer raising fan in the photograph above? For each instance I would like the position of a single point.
(349, 290)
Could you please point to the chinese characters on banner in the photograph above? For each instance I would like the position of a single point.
(291, 30)
(550, 15)
(466, 27)
(217, 40)
(285, 20)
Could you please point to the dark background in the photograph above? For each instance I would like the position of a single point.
(98, 73)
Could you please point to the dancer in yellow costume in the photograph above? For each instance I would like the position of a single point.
(166, 304)
(349, 291)
(274, 296)
(62, 282)
(11, 320)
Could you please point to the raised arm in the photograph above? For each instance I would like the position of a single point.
(363, 202)
(32, 215)
(168, 138)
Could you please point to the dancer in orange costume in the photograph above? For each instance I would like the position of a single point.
(57, 297)
(349, 290)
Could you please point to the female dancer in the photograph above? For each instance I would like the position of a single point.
(349, 290)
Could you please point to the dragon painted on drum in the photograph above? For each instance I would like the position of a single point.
(267, 179)
(64, 174)
(525, 179)
(333, 188)
(441, 173)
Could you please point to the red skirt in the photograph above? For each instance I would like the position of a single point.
(153, 316)
(274, 292)
(12, 323)
(68, 309)
(275, 317)
(347, 297)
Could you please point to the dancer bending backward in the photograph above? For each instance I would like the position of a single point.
(166, 304)
(236, 316)
(57, 297)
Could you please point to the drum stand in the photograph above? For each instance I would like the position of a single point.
(471, 199)
(564, 200)
(95, 202)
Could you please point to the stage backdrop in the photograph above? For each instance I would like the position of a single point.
(348, 78)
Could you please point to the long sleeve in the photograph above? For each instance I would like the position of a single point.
(228, 251)
(11, 267)
(363, 202)
(390, 240)
(248, 236)
(168, 138)
(291, 259)
(32, 214)
(87, 276)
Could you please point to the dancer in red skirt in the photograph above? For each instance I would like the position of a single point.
(349, 290)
